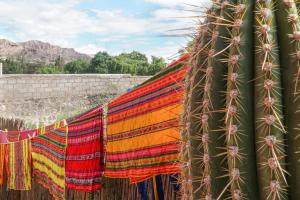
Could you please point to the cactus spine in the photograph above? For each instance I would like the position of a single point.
(200, 131)
(248, 50)
(239, 134)
(211, 118)
(288, 29)
(268, 94)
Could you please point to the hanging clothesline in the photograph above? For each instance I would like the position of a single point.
(21, 135)
(142, 134)
(16, 136)
(70, 156)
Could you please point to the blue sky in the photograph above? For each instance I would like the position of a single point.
(90, 26)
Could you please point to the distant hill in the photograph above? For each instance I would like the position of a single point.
(36, 51)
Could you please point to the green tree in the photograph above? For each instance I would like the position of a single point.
(77, 67)
(101, 63)
(12, 67)
(156, 65)
(134, 63)
(50, 69)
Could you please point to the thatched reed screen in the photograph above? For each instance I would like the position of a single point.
(113, 189)
(11, 124)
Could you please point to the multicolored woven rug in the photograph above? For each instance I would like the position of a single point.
(48, 160)
(2, 161)
(79, 117)
(15, 136)
(143, 128)
(3, 137)
(85, 156)
(19, 165)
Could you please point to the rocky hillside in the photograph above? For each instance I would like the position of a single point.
(37, 51)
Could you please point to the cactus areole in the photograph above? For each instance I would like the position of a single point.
(241, 122)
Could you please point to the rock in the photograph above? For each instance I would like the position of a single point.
(38, 52)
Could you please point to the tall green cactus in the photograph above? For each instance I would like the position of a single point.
(241, 125)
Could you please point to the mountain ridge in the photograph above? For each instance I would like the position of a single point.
(37, 51)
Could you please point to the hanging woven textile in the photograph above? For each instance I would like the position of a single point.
(18, 161)
(143, 128)
(48, 160)
(84, 157)
(2, 161)
(3, 137)
(14, 136)
(85, 115)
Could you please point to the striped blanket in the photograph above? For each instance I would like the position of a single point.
(14, 136)
(93, 111)
(3, 137)
(48, 160)
(19, 165)
(143, 128)
(84, 158)
(2, 160)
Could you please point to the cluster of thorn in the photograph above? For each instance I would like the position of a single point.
(205, 114)
(188, 153)
(293, 20)
(233, 108)
(185, 153)
(271, 120)
(207, 53)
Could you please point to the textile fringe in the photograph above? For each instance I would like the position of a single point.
(2, 159)
(18, 159)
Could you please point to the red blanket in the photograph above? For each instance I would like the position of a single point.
(84, 159)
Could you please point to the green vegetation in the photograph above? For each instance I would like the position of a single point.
(134, 63)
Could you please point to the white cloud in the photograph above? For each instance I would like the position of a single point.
(167, 51)
(90, 49)
(112, 38)
(169, 19)
(63, 23)
(60, 22)
(43, 20)
(179, 3)
(117, 22)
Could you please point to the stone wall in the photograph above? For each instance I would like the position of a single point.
(45, 98)
(45, 86)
